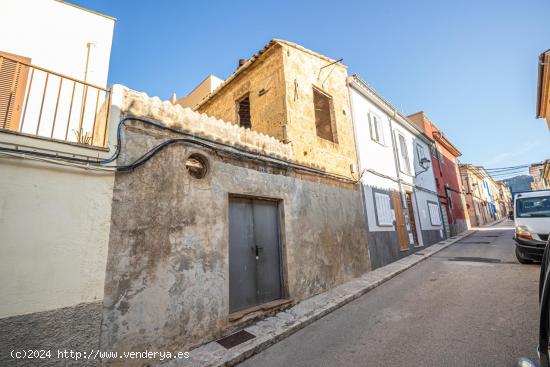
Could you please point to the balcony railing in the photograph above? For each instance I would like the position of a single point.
(40, 102)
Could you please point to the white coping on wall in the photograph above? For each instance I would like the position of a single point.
(137, 104)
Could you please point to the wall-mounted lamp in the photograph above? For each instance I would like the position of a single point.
(425, 163)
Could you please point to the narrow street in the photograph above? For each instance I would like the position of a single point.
(472, 304)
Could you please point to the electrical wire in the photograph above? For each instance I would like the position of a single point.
(504, 168)
(190, 139)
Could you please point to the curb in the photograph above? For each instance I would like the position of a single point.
(492, 224)
(276, 328)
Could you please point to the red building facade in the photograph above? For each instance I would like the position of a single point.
(447, 175)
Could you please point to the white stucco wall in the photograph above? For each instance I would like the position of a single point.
(55, 36)
(54, 228)
(383, 162)
(54, 225)
(381, 158)
(419, 178)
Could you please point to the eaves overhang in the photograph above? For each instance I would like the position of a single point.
(543, 84)
(87, 10)
(446, 143)
(372, 95)
(258, 56)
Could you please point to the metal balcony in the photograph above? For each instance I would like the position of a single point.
(38, 102)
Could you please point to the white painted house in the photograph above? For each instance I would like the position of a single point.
(54, 218)
(398, 184)
(54, 69)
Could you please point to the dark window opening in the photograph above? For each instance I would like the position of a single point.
(243, 111)
(323, 115)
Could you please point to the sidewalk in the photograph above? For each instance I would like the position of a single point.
(492, 224)
(275, 328)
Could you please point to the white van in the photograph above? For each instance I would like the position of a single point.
(532, 221)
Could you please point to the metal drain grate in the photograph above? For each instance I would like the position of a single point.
(475, 259)
(479, 242)
(235, 339)
(419, 253)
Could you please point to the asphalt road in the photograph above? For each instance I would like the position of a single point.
(471, 304)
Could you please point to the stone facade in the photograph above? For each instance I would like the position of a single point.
(486, 199)
(472, 181)
(167, 270)
(536, 170)
(279, 82)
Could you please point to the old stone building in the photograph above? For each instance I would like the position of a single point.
(486, 199)
(219, 226)
(297, 96)
(536, 170)
(475, 193)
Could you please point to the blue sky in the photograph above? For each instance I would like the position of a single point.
(470, 65)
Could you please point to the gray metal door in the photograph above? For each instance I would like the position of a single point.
(254, 253)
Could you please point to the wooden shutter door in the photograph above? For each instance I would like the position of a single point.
(13, 82)
(400, 227)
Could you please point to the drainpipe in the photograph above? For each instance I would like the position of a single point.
(89, 45)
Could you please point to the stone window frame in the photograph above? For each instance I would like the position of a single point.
(315, 88)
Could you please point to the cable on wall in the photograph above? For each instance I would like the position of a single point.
(191, 139)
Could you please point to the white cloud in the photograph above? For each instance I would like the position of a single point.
(507, 156)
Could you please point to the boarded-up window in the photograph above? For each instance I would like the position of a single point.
(243, 111)
(13, 81)
(435, 217)
(384, 215)
(322, 103)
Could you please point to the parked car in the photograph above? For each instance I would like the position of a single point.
(543, 359)
(532, 224)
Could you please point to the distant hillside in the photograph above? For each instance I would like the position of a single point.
(519, 183)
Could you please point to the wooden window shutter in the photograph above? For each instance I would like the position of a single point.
(243, 111)
(13, 81)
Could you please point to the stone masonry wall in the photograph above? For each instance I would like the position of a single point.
(302, 72)
(287, 73)
(264, 83)
(167, 281)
